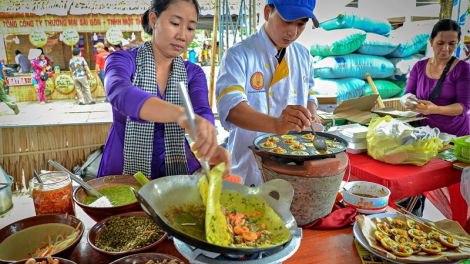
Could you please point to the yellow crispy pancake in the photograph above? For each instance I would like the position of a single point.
(217, 232)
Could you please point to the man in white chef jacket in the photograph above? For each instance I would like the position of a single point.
(265, 83)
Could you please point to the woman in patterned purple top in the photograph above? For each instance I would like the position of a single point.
(448, 110)
(140, 93)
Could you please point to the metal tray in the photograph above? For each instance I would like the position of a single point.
(298, 137)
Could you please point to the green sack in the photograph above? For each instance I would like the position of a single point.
(336, 42)
(385, 88)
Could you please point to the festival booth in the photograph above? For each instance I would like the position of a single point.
(58, 28)
(311, 194)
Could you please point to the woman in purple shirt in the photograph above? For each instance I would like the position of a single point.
(448, 110)
(148, 132)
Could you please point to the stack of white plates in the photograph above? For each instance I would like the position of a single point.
(356, 136)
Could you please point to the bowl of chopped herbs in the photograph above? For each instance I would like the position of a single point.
(125, 233)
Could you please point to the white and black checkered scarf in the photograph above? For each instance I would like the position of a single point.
(138, 142)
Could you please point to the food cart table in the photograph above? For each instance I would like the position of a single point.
(329, 246)
(438, 180)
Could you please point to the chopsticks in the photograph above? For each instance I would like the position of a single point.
(412, 216)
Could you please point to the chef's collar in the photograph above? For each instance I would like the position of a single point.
(270, 48)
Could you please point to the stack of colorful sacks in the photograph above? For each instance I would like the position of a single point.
(348, 46)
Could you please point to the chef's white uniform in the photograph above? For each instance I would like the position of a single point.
(249, 72)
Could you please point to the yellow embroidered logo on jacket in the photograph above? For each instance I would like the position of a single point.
(257, 81)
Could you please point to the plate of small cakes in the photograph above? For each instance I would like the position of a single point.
(399, 239)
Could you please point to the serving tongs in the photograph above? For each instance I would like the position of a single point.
(188, 106)
(76, 178)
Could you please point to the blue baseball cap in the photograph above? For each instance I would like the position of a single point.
(294, 9)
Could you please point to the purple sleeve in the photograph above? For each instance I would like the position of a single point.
(461, 87)
(198, 91)
(412, 82)
(124, 97)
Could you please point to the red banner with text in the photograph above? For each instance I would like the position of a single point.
(82, 23)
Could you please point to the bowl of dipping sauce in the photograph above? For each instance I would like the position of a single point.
(117, 196)
(366, 197)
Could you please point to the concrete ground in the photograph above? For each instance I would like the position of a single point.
(56, 112)
(431, 213)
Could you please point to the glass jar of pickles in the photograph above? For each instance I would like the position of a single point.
(54, 195)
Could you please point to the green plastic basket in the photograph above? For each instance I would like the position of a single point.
(462, 149)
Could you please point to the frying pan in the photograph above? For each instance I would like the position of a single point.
(297, 158)
(175, 200)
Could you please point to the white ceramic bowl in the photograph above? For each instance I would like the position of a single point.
(359, 195)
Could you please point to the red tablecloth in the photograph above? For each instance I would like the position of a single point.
(438, 180)
(451, 204)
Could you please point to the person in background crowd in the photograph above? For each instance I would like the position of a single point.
(100, 62)
(448, 109)
(3, 96)
(148, 132)
(22, 60)
(111, 49)
(267, 79)
(48, 58)
(81, 73)
(106, 49)
(117, 47)
(40, 68)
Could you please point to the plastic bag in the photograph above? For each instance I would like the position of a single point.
(465, 185)
(384, 143)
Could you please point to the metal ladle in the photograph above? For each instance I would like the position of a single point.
(318, 142)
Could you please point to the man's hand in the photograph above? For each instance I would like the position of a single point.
(222, 155)
(315, 119)
(293, 117)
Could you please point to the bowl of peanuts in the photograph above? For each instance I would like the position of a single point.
(48, 260)
(148, 258)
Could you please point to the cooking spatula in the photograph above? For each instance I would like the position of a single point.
(188, 106)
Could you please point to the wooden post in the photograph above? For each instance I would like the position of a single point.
(88, 53)
(372, 85)
(253, 16)
(215, 28)
(446, 9)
